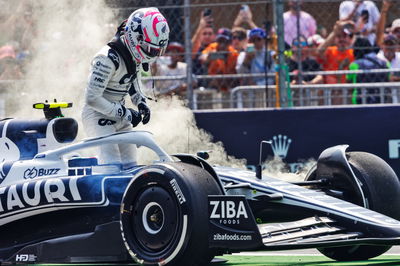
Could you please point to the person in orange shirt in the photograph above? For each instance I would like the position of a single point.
(220, 58)
(335, 54)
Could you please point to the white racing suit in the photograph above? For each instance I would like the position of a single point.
(108, 83)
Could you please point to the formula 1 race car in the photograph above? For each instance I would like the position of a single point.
(59, 207)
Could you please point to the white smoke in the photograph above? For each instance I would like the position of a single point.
(65, 36)
(277, 168)
(174, 127)
(69, 33)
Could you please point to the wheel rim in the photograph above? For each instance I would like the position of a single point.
(154, 220)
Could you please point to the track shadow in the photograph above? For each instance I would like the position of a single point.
(286, 262)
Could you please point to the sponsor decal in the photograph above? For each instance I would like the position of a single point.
(227, 209)
(231, 221)
(104, 71)
(31, 173)
(114, 57)
(41, 192)
(394, 145)
(25, 258)
(280, 145)
(99, 79)
(106, 122)
(231, 237)
(100, 64)
(178, 191)
(98, 74)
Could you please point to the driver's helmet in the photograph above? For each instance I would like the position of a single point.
(146, 34)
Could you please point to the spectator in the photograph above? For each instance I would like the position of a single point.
(364, 14)
(203, 36)
(254, 60)
(172, 66)
(395, 29)
(244, 18)
(366, 59)
(336, 54)
(220, 58)
(313, 43)
(307, 23)
(9, 67)
(239, 39)
(389, 42)
(381, 27)
(307, 65)
(389, 54)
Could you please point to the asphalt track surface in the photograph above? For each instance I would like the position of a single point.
(304, 257)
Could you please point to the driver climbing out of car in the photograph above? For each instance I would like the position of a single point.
(115, 72)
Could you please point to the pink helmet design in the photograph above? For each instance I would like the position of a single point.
(146, 34)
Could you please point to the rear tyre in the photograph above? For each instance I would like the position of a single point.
(164, 215)
(381, 189)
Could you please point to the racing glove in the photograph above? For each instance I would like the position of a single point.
(144, 110)
(132, 116)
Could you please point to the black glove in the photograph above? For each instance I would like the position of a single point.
(132, 116)
(144, 110)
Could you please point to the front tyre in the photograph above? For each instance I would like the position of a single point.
(164, 215)
(381, 189)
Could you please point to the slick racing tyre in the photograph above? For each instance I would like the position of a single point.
(164, 215)
(381, 189)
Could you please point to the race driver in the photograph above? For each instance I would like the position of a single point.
(115, 72)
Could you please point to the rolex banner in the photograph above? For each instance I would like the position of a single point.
(300, 134)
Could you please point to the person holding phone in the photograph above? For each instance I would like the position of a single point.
(220, 58)
(244, 18)
(253, 59)
(203, 36)
(365, 15)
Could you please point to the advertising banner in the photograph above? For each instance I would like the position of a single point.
(300, 134)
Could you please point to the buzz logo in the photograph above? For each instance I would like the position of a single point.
(227, 209)
(280, 145)
(394, 145)
(25, 258)
(31, 173)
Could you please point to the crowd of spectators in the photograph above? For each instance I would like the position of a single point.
(247, 48)
(250, 50)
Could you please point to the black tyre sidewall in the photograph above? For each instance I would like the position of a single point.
(381, 189)
(190, 244)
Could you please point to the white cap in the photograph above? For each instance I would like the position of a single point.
(395, 24)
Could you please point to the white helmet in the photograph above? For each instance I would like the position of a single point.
(146, 34)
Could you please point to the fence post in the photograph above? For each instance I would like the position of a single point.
(278, 21)
(188, 54)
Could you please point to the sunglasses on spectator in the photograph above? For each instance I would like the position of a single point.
(297, 43)
(255, 39)
(240, 38)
